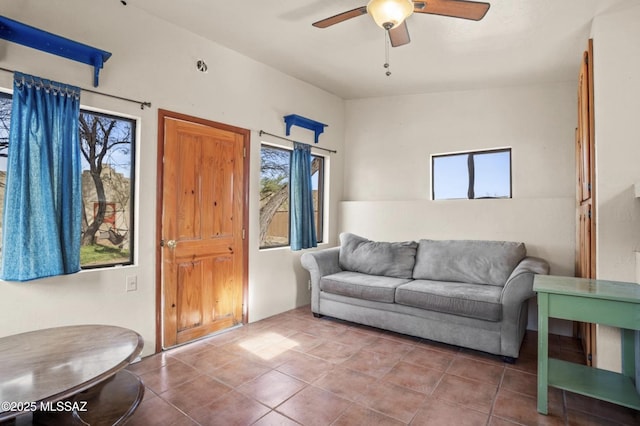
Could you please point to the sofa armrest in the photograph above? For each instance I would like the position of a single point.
(319, 264)
(519, 286)
(517, 290)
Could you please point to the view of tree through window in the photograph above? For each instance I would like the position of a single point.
(274, 195)
(471, 175)
(107, 145)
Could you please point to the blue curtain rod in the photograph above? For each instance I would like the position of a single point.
(262, 132)
(141, 103)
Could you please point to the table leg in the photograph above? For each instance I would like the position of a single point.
(543, 352)
(628, 338)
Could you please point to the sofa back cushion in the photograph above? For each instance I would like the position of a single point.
(467, 261)
(358, 254)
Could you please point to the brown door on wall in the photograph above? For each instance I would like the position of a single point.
(202, 258)
(585, 193)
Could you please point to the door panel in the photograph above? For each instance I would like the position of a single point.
(585, 193)
(584, 240)
(186, 150)
(583, 130)
(189, 295)
(219, 174)
(203, 231)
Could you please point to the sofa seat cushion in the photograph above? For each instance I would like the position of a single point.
(358, 254)
(470, 300)
(467, 261)
(362, 286)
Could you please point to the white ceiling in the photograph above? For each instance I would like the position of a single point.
(518, 42)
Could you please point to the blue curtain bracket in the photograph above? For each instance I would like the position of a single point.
(35, 38)
(307, 123)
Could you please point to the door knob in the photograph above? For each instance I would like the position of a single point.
(172, 244)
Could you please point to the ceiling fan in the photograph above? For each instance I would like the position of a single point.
(391, 14)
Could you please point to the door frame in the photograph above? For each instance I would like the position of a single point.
(162, 114)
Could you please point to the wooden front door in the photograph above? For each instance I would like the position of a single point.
(203, 227)
(585, 193)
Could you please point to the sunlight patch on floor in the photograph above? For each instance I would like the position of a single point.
(268, 345)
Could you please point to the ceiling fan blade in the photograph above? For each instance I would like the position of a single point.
(455, 8)
(399, 35)
(340, 17)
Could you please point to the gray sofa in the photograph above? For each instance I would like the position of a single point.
(461, 292)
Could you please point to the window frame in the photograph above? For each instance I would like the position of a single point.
(321, 195)
(471, 180)
(7, 94)
(135, 124)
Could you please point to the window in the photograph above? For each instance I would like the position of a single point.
(108, 150)
(274, 195)
(471, 175)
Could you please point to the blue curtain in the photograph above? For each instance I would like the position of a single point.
(303, 229)
(41, 225)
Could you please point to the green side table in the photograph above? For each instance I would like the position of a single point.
(610, 303)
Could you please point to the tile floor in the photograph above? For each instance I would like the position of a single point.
(295, 369)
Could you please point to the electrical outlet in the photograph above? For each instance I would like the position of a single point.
(132, 283)
(309, 283)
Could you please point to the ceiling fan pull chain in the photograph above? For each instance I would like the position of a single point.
(386, 52)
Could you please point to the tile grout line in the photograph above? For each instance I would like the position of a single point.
(495, 398)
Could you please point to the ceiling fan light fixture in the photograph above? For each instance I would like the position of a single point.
(389, 14)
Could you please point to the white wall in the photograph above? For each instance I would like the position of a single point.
(617, 110)
(155, 61)
(388, 148)
(388, 143)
